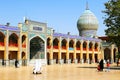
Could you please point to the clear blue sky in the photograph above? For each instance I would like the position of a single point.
(61, 15)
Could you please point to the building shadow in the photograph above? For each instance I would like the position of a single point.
(111, 68)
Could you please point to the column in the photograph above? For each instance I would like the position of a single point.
(81, 52)
(27, 53)
(67, 56)
(59, 53)
(93, 52)
(112, 49)
(100, 52)
(19, 49)
(51, 51)
(74, 46)
(87, 52)
(6, 52)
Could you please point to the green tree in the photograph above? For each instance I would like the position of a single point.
(112, 21)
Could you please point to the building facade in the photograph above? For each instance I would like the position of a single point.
(33, 40)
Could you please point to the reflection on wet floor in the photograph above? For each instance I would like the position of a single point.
(59, 72)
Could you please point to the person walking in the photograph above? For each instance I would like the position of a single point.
(108, 66)
(101, 65)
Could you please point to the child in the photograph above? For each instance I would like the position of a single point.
(98, 67)
(108, 66)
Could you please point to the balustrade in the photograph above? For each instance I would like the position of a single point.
(55, 47)
(13, 44)
(77, 48)
(63, 47)
(24, 45)
(1, 43)
(48, 47)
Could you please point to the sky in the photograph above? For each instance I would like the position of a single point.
(61, 15)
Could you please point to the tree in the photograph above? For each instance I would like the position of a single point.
(112, 21)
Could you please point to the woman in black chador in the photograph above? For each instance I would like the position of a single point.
(101, 65)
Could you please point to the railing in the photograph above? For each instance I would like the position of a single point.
(55, 47)
(24, 45)
(63, 47)
(96, 49)
(90, 49)
(84, 49)
(71, 48)
(1, 43)
(77, 48)
(48, 47)
(13, 44)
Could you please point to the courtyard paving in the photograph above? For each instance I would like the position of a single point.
(60, 72)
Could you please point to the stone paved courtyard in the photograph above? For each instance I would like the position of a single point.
(60, 72)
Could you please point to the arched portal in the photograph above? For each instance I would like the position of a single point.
(90, 46)
(48, 43)
(55, 57)
(23, 55)
(71, 57)
(107, 54)
(23, 41)
(64, 42)
(37, 48)
(13, 40)
(96, 57)
(96, 46)
(55, 43)
(64, 57)
(48, 58)
(78, 45)
(23, 59)
(2, 36)
(84, 45)
(84, 57)
(78, 57)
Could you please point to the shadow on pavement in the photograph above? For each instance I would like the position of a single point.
(112, 68)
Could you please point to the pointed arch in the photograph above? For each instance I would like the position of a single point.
(55, 43)
(78, 43)
(64, 43)
(13, 40)
(2, 37)
(84, 45)
(90, 46)
(37, 49)
(48, 42)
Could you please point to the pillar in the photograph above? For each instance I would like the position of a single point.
(112, 53)
(81, 52)
(59, 53)
(87, 52)
(74, 46)
(100, 52)
(19, 50)
(93, 53)
(6, 52)
(51, 52)
(67, 55)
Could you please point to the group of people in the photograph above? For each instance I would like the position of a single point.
(101, 65)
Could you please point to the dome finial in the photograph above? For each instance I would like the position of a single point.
(87, 8)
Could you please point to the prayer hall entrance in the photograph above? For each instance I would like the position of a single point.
(37, 50)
